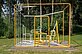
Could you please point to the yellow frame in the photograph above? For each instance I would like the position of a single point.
(42, 32)
(68, 5)
(14, 25)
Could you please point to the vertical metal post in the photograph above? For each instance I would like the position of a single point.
(52, 12)
(49, 30)
(25, 33)
(34, 32)
(14, 25)
(57, 31)
(63, 25)
(40, 20)
(38, 39)
(69, 24)
(20, 28)
(28, 5)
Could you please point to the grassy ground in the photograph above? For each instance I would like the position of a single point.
(76, 42)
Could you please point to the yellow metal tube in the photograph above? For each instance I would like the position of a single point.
(41, 16)
(66, 7)
(34, 33)
(39, 38)
(63, 26)
(57, 30)
(49, 29)
(42, 40)
(41, 33)
(69, 23)
(48, 25)
(43, 4)
(14, 25)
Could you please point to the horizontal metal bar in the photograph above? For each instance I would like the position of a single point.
(43, 15)
(44, 4)
(27, 6)
(41, 33)
(28, 15)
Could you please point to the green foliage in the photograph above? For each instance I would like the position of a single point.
(29, 22)
(45, 25)
(3, 27)
(77, 29)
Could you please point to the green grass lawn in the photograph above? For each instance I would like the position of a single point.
(6, 44)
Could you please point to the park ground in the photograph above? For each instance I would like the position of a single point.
(76, 42)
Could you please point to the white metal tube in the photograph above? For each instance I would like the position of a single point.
(52, 12)
(20, 28)
(40, 19)
(28, 5)
(43, 15)
(25, 33)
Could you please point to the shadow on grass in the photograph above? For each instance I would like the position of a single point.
(76, 45)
